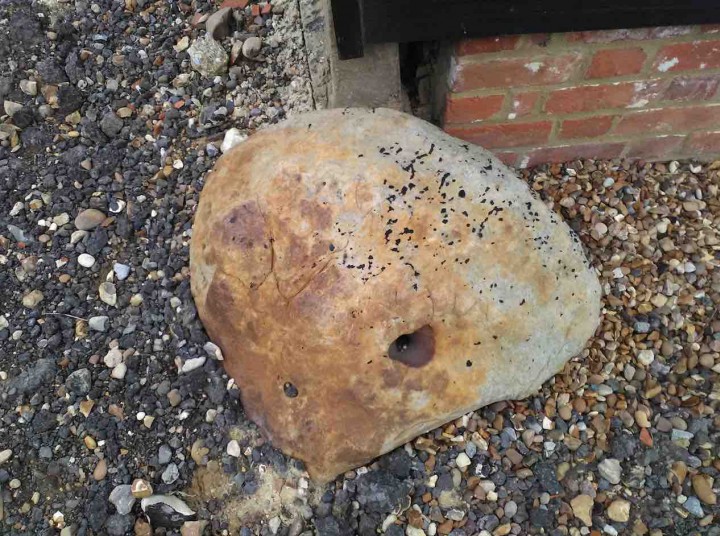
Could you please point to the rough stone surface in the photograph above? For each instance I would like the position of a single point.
(582, 508)
(208, 57)
(381, 278)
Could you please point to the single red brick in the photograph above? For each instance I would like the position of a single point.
(514, 72)
(609, 36)
(660, 148)
(616, 62)
(590, 98)
(503, 135)
(265, 9)
(507, 158)
(486, 44)
(469, 109)
(567, 153)
(684, 56)
(238, 4)
(587, 127)
(686, 88)
(255, 10)
(669, 120)
(704, 144)
(522, 104)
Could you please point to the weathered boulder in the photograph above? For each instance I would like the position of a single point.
(369, 278)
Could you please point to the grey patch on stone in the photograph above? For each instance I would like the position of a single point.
(379, 492)
(111, 124)
(122, 498)
(119, 525)
(164, 454)
(122, 271)
(693, 506)
(170, 474)
(39, 373)
(18, 234)
(79, 382)
(610, 470)
(98, 323)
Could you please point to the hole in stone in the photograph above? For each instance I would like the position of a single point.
(290, 390)
(414, 349)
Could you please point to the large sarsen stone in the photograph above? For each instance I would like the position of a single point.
(369, 278)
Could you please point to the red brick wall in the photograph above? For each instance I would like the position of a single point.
(649, 93)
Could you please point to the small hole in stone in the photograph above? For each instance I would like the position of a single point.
(290, 390)
(414, 349)
(468, 363)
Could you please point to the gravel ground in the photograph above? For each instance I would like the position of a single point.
(109, 391)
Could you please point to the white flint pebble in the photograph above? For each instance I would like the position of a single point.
(232, 138)
(233, 449)
(646, 357)
(119, 371)
(462, 461)
(113, 358)
(192, 364)
(85, 260)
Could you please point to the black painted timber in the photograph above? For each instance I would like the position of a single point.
(382, 21)
(348, 28)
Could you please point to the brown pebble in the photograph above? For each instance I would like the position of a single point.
(703, 487)
(100, 470)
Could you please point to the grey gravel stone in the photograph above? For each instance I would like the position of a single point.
(251, 47)
(122, 271)
(121, 497)
(692, 505)
(88, 219)
(98, 323)
(79, 382)
(164, 454)
(218, 24)
(39, 373)
(170, 474)
(111, 124)
(380, 492)
(208, 57)
(610, 470)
